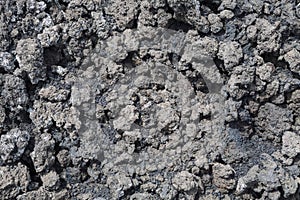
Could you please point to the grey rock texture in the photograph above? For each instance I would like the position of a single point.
(149, 99)
(13, 145)
(14, 181)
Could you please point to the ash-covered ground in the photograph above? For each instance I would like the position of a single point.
(150, 99)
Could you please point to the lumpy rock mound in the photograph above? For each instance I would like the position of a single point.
(139, 99)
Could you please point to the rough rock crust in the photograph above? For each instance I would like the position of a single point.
(149, 99)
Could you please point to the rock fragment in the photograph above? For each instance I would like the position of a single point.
(13, 145)
(265, 71)
(223, 177)
(13, 181)
(51, 181)
(43, 154)
(293, 58)
(273, 120)
(54, 94)
(268, 36)
(215, 22)
(14, 92)
(266, 178)
(290, 144)
(124, 13)
(188, 183)
(227, 4)
(7, 61)
(231, 53)
(30, 58)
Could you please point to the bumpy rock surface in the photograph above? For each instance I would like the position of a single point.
(139, 99)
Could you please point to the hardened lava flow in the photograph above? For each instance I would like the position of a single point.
(150, 99)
